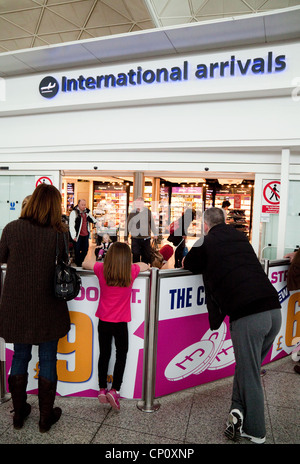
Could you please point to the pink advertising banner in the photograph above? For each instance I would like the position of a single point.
(188, 352)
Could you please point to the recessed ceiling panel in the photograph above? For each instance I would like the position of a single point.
(65, 20)
(57, 57)
(195, 38)
(42, 24)
(128, 46)
(9, 30)
(12, 5)
(51, 22)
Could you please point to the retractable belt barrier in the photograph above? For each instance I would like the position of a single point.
(171, 347)
(3, 396)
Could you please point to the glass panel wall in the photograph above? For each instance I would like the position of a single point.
(292, 237)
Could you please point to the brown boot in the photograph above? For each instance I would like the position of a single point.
(48, 414)
(17, 387)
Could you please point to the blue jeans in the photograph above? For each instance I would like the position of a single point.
(47, 359)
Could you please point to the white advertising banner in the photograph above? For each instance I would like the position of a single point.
(290, 303)
(78, 351)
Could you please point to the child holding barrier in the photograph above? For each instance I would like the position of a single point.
(116, 276)
(101, 250)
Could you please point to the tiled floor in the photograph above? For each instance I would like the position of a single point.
(194, 416)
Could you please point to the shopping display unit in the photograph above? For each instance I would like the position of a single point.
(183, 198)
(164, 210)
(68, 197)
(239, 213)
(112, 202)
(110, 205)
(237, 218)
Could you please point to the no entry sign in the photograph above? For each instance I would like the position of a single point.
(271, 196)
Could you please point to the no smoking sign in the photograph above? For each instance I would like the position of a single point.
(271, 196)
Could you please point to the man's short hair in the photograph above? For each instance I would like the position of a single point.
(226, 203)
(214, 216)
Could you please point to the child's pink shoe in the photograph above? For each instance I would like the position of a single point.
(113, 398)
(102, 396)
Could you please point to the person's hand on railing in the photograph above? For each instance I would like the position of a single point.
(290, 256)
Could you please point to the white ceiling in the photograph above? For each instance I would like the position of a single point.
(36, 23)
(242, 30)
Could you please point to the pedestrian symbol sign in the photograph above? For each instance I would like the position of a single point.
(271, 196)
(43, 180)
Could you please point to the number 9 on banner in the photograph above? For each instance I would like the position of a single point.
(81, 349)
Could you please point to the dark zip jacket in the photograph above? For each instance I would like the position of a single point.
(234, 280)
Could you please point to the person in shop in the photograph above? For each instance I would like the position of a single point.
(79, 226)
(178, 234)
(237, 286)
(225, 206)
(29, 312)
(116, 276)
(140, 224)
(101, 250)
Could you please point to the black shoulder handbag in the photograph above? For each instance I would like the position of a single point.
(67, 282)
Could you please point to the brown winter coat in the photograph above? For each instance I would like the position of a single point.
(29, 312)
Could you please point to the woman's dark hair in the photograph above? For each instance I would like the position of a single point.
(44, 208)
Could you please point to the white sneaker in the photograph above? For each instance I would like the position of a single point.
(234, 425)
(256, 440)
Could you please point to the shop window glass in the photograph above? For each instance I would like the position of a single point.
(269, 237)
(292, 236)
(13, 190)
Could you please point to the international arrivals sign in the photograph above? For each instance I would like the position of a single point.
(261, 71)
(230, 66)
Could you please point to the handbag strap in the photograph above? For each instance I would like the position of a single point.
(57, 249)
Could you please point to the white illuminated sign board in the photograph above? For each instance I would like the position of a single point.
(255, 72)
(139, 75)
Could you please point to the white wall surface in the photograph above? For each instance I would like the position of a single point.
(271, 121)
(155, 126)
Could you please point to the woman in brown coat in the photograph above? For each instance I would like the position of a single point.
(29, 312)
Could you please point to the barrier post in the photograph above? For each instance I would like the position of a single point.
(147, 403)
(3, 396)
(265, 265)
